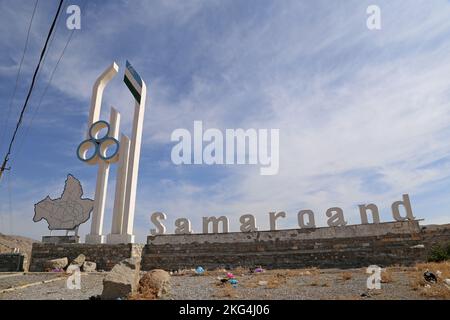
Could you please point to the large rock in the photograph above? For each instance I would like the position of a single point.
(155, 281)
(122, 280)
(89, 266)
(60, 263)
(79, 260)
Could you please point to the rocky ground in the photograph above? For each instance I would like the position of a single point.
(397, 283)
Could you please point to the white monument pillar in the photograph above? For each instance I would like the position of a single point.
(117, 235)
(96, 236)
(139, 90)
(127, 154)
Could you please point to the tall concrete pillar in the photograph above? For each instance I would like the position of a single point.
(95, 235)
(135, 151)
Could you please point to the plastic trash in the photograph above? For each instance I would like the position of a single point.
(199, 270)
(429, 277)
(365, 295)
(447, 282)
(263, 283)
(230, 275)
(233, 282)
(259, 269)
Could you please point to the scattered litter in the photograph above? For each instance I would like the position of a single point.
(222, 279)
(365, 295)
(427, 286)
(429, 277)
(438, 273)
(447, 282)
(230, 275)
(199, 270)
(233, 282)
(263, 283)
(57, 270)
(259, 269)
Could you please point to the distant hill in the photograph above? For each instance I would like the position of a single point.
(8, 243)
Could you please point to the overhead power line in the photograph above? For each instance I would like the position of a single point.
(19, 121)
(36, 110)
(8, 114)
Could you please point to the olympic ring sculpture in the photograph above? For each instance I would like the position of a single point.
(99, 144)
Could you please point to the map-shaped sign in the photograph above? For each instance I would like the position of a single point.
(66, 212)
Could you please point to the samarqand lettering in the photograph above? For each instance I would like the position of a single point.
(401, 211)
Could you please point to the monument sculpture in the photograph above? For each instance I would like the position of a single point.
(96, 150)
(66, 212)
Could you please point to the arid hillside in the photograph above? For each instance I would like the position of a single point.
(8, 243)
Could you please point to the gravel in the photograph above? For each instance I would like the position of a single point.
(281, 284)
(91, 284)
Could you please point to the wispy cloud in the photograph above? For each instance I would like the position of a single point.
(363, 115)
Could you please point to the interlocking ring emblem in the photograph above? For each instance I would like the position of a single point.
(99, 144)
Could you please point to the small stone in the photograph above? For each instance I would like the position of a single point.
(89, 266)
(263, 283)
(447, 282)
(56, 264)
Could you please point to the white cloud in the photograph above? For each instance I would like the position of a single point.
(362, 115)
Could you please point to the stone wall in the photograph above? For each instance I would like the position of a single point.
(344, 247)
(12, 262)
(383, 244)
(104, 255)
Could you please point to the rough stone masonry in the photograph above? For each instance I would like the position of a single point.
(384, 244)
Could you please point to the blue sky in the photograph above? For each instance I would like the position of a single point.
(363, 115)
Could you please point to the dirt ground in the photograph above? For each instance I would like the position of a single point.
(396, 283)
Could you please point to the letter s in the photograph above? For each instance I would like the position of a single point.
(155, 219)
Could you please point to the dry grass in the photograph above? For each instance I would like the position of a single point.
(302, 272)
(315, 282)
(437, 290)
(226, 291)
(278, 278)
(240, 271)
(346, 276)
(387, 276)
(274, 280)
